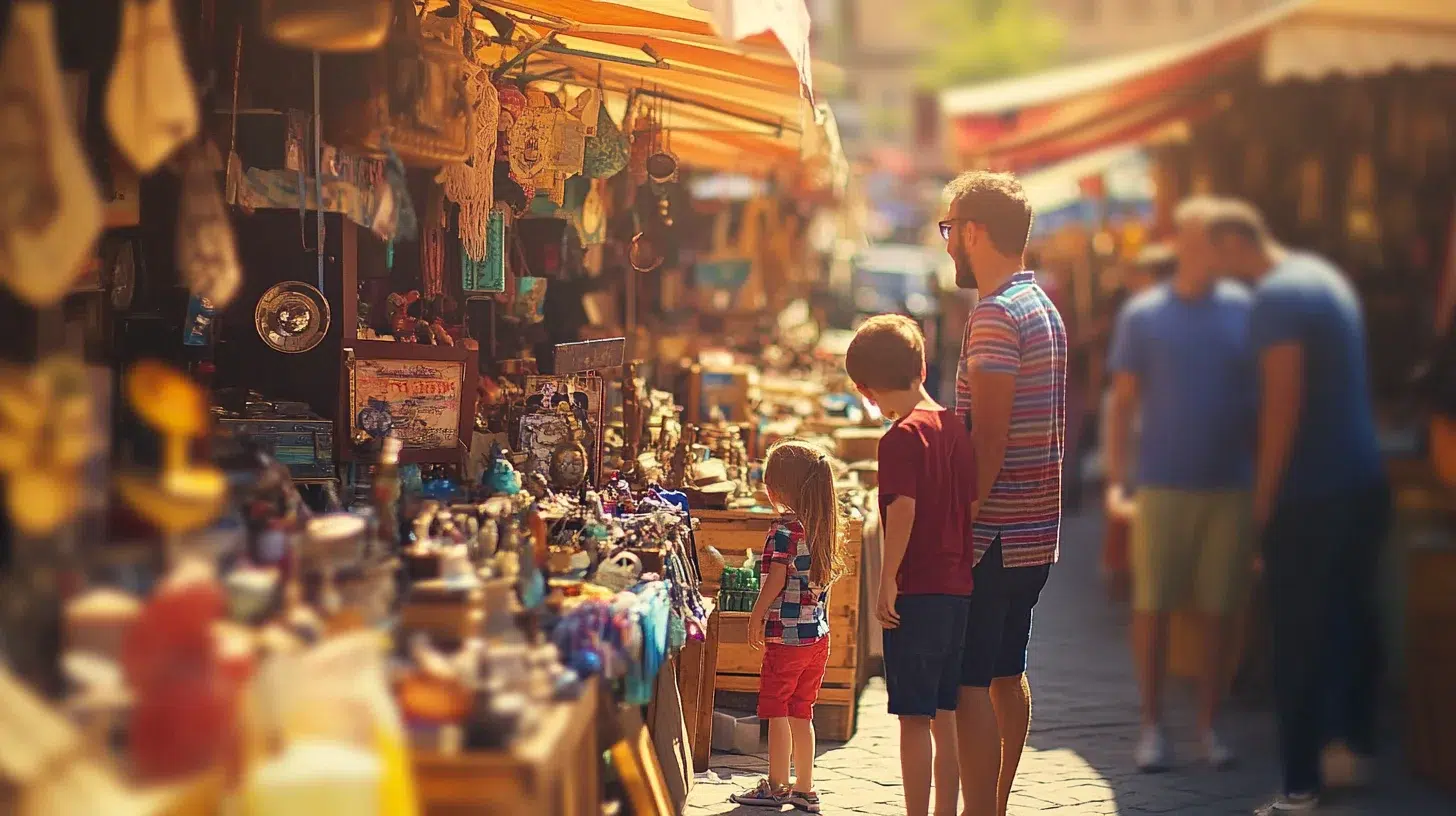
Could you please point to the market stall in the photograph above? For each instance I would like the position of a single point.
(1334, 117)
(328, 481)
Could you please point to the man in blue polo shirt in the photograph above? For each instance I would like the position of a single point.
(1182, 358)
(1320, 496)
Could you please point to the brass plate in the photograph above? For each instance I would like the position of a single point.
(292, 317)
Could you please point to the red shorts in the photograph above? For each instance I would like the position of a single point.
(789, 682)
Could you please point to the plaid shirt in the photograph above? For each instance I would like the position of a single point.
(798, 616)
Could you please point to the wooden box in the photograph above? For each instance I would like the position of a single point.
(1430, 706)
(733, 533)
(556, 769)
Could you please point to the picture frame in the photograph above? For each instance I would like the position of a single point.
(422, 389)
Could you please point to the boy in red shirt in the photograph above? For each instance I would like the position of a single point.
(927, 484)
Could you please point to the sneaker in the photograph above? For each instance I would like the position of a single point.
(1341, 767)
(1289, 803)
(807, 802)
(1153, 754)
(762, 795)
(1216, 751)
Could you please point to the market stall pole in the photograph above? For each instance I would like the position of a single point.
(553, 769)
(736, 533)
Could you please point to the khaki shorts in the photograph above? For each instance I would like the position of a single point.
(1191, 547)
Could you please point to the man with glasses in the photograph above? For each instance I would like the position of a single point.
(1011, 387)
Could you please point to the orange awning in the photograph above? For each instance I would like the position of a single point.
(778, 30)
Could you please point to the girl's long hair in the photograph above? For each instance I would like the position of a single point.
(799, 475)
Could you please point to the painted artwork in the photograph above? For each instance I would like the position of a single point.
(421, 397)
(585, 396)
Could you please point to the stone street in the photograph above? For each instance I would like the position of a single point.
(1079, 756)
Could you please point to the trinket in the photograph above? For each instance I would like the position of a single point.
(292, 317)
(185, 496)
(46, 440)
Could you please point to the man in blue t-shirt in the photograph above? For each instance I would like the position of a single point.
(1181, 356)
(1320, 497)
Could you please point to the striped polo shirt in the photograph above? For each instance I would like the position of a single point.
(1017, 330)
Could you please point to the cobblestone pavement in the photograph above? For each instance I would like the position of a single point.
(1079, 757)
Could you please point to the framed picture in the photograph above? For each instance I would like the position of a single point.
(585, 395)
(424, 395)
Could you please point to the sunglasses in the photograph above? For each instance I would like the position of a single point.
(947, 225)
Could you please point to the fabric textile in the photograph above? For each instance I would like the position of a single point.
(1306, 300)
(1197, 384)
(788, 683)
(923, 654)
(798, 617)
(1017, 330)
(1321, 560)
(927, 456)
(998, 623)
(1193, 545)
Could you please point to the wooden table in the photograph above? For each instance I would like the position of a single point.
(555, 769)
(734, 533)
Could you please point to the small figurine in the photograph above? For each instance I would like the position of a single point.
(398, 311)
(501, 479)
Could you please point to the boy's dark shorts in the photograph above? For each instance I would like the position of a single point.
(923, 654)
(998, 626)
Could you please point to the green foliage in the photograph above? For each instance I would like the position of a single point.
(980, 40)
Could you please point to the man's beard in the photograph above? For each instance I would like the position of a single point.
(965, 274)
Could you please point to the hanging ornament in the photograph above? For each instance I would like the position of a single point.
(432, 260)
(395, 217)
(292, 317)
(594, 214)
(151, 106)
(487, 275)
(605, 153)
(472, 184)
(207, 253)
(531, 148)
(50, 211)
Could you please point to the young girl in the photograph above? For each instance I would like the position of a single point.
(801, 558)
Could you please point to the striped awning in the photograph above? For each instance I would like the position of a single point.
(1031, 121)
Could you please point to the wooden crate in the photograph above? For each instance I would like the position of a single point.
(555, 769)
(1430, 708)
(733, 533)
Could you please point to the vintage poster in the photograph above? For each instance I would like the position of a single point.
(584, 395)
(421, 399)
